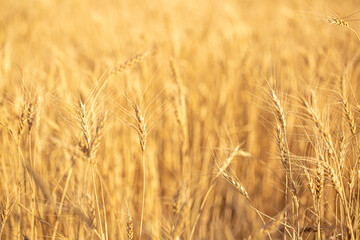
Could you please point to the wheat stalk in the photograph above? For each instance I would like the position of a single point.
(181, 220)
(342, 152)
(4, 215)
(285, 157)
(269, 228)
(181, 117)
(142, 133)
(222, 168)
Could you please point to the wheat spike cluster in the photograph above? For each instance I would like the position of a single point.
(179, 120)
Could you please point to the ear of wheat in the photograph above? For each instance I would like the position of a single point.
(311, 183)
(91, 212)
(129, 227)
(338, 21)
(33, 112)
(236, 184)
(343, 23)
(84, 124)
(176, 202)
(319, 181)
(22, 121)
(141, 127)
(131, 62)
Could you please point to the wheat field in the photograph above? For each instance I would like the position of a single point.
(175, 119)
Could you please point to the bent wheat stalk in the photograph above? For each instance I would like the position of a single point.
(222, 168)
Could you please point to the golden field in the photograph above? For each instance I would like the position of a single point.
(179, 119)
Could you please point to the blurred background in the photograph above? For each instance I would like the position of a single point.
(201, 73)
